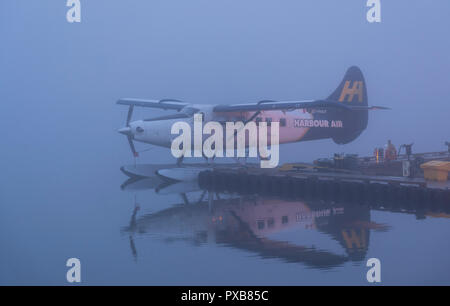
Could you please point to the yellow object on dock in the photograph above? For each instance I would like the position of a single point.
(436, 170)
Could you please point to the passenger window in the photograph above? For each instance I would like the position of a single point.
(269, 121)
(260, 224)
(282, 121)
(284, 219)
(258, 120)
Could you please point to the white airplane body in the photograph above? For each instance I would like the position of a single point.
(342, 116)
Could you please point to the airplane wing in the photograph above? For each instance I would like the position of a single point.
(258, 106)
(162, 104)
(290, 105)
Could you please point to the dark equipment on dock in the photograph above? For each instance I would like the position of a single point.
(339, 161)
(379, 155)
(407, 148)
(378, 165)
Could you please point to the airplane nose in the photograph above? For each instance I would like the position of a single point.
(125, 130)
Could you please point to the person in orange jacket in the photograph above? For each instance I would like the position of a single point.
(390, 153)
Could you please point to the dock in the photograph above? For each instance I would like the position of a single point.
(327, 185)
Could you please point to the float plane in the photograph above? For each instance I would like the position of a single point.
(342, 116)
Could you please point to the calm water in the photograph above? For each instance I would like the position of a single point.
(137, 235)
(60, 155)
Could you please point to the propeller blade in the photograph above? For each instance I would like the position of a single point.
(130, 113)
(133, 150)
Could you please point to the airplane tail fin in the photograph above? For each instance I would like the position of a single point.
(352, 92)
(352, 89)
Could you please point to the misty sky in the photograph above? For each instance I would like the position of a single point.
(59, 82)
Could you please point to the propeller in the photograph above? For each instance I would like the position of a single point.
(130, 113)
(127, 131)
(133, 149)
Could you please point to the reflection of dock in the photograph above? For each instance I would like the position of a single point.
(327, 185)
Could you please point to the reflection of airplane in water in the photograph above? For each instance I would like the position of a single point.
(271, 228)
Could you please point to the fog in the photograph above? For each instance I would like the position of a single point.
(59, 82)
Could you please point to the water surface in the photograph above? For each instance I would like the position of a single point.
(138, 235)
